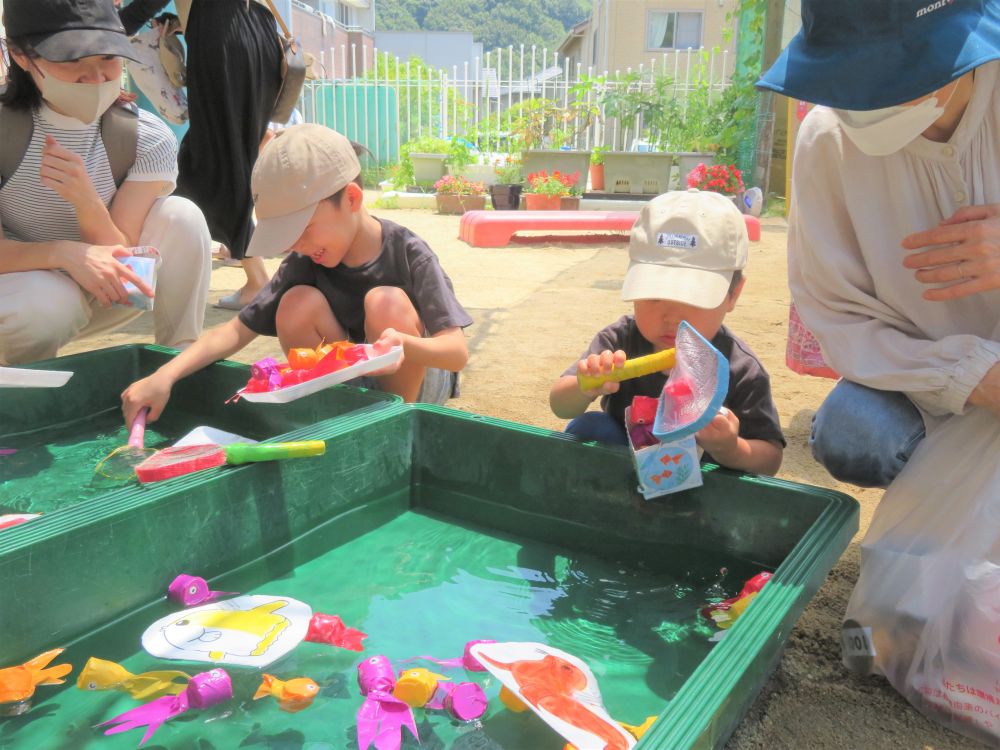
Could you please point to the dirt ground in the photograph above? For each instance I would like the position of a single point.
(536, 307)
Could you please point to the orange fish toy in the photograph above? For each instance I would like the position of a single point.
(293, 695)
(554, 685)
(17, 684)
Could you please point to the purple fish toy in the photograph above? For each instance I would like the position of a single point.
(191, 590)
(203, 691)
(465, 701)
(466, 660)
(382, 716)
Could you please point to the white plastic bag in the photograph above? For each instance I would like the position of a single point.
(926, 610)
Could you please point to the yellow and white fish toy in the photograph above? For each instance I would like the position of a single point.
(100, 674)
(293, 695)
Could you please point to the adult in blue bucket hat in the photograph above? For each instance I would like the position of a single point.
(894, 231)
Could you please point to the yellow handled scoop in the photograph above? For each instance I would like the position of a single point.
(633, 368)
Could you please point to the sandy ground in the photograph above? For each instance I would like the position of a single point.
(536, 307)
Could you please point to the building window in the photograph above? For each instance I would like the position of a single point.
(344, 14)
(670, 30)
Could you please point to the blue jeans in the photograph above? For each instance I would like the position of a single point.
(863, 436)
(599, 426)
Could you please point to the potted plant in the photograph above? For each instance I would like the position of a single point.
(465, 160)
(718, 178)
(422, 162)
(544, 130)
(456, 195)
(597, 168)
(546, 191)
(505, 195)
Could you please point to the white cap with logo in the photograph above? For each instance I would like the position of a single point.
(685, 246)
(303, 165)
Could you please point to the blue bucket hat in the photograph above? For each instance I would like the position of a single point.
(870, 54)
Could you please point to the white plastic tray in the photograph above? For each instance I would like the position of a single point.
(292, 392)
(13, 377)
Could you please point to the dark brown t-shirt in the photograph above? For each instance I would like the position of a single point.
(405, 262)
(749, 396)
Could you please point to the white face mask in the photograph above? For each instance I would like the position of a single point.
(880, 132)
(83, 101)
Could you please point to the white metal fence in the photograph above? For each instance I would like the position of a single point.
(386, 102)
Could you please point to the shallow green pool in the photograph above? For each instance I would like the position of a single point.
(419, 584)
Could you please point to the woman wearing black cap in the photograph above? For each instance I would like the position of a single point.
(83, 177)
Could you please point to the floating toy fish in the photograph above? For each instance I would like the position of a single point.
(98, 674)
(303, 364)
(203, 691)
(18, 683)
(382, 716)
(8, 451)
(641, 416)
(466, 660)
(559, 688)
(192, 590)
(293, 695)
(8, 520)
(637, 730)
(421, 688)
(250, 630)
(727, 612)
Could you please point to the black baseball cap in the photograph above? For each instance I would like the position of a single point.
(64, 30)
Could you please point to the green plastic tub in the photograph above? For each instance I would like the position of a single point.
(427, 527)
(61, 434)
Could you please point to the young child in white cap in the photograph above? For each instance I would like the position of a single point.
(349, 276)
(687, 253)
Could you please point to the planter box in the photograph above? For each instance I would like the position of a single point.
(483, 173)
(536, 202)
(569, 203)
(428, 168)
(567, 162)
(637, 173)
(688, 160)
(459, 204)
(506, 197)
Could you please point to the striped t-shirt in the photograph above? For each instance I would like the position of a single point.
(31, 212)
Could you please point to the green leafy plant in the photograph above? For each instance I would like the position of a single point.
(508, 171)
(597, 155)
(452, 185)
(554, 184)
(402, 173)
(387, 202)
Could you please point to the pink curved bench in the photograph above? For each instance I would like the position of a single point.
(496, 228)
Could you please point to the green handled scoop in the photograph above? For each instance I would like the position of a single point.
(176, 461)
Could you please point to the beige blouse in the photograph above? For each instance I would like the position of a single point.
(851, 211)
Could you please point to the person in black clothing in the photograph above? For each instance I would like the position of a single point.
(233, 78)
(688, 250)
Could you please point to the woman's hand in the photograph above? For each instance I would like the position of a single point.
(97, 270)
(969, 262)
(64, 173)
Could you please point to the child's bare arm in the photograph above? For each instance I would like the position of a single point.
(567, 400)
(154, 391)
(445, 350)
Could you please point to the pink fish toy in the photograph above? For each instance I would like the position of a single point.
(640, 421)
(192, 590)
(382, 716)
(332, 630)
(203, 691)
(466, 660)
(465, 701)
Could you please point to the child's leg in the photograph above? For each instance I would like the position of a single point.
(304, 319)
(599, 426)
(390, 307)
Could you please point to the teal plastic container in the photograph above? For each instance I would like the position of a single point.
(426, 527)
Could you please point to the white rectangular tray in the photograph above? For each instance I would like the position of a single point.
(293, 392)
(14, 377)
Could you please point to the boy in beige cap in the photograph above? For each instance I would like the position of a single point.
(687, 253)
(349, 276)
